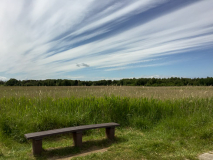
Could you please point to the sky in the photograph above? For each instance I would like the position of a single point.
(113, 39)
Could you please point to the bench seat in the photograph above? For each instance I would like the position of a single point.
(77, 134)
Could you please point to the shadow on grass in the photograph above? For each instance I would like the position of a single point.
(72, 151)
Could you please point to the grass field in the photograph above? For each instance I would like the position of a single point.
(156, 122)
(100, 91)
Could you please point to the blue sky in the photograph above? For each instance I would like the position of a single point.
(113, 39)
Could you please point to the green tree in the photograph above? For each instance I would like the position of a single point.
(2, 82)
(12, 82)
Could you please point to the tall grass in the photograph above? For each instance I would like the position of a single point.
(21, 115)
(101, 91)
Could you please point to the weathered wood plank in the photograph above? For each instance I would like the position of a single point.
(38, 135)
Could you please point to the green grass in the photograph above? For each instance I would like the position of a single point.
(150, 128)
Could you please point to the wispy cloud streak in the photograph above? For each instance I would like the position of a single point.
(43, 38)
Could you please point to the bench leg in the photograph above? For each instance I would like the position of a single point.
(37, 147)
(110, 133)
(77, 137)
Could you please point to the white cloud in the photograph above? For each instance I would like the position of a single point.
(75, 77)
(122, 14)
(34, 35)
(142, 43)
(157, 76)
(3, 78)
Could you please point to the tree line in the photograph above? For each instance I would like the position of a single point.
(173, 81)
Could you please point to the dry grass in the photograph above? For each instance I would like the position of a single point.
(100, 91)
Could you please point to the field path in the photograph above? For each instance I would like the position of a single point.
(84, 153)
(206, 156)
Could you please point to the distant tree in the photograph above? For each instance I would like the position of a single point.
(76, 82)
(2, 82)
(173, 81)
(12, 82)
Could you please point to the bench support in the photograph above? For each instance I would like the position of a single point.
(110, 133)
(77, 137)
(37, 146)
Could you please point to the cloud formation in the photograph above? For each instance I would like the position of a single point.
(45, 38)
(82, 65)
(3, 78)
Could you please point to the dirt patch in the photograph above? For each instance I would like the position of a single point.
(83, 153)
(206, 156)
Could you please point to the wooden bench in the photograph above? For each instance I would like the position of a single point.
(77, 134)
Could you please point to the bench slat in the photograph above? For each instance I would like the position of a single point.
(39, 135)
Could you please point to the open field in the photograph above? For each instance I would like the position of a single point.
(156, 122)
(100, 91)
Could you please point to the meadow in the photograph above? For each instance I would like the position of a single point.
(156, 122)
